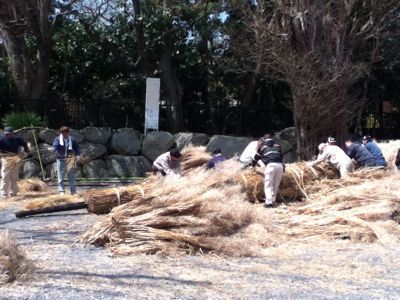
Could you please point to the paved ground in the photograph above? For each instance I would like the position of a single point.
(69, 271)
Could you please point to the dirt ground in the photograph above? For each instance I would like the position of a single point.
(66, 270)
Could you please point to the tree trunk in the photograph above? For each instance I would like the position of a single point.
(173, 91)
(247, 97)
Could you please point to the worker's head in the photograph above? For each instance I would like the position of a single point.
(321, 147)
(331, 140)
(366, 139)
(8, 132)
(175, 154)
(64, 130)
(217, 151)
(348, 142)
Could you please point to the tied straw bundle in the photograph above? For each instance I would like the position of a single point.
(72, 162)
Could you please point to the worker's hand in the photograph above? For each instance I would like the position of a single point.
(51, 149)
(78, 158)
(310, 164)
(253, 163)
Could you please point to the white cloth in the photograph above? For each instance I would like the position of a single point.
(337, 157)
(166, 164)
(68, 144)
(248, 154)
(273, 174)
(9, 175)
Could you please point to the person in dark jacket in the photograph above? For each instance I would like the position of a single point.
(360, 154)
(216, 160)
(65, 146)
(397, 162)
(271, 155)
(375, 151)
(10, 144)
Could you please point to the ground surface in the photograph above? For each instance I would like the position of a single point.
(66, 270)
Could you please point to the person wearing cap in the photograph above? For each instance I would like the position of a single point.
(375, 151)
(271, 155)
(10, 144)
(331, 141)
(336, 156)
(216, 160)
(360, 154)
(168, 163)
(65, 146)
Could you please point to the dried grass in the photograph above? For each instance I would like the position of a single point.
(50, 201)
(389, 151)
(72, 162)
(13, 161)
(209, 211)
(193, 157)
(13, 261)
(31, 185)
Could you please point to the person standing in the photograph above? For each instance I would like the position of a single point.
(168, 163)
(65, 146)
(375, 151)
(271, 155)
(10, 144)
(360, 154)
(336, 156)
(217, 159)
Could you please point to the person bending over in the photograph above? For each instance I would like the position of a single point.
(375, 151)
(360, 154)
(168, 163)
(216, 160)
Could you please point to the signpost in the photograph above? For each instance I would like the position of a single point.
(152, 104)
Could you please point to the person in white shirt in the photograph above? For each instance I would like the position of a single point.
(168, 163)
(248, 154)
(336, 156)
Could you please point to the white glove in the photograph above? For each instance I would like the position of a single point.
(310, 164)
(78, 158)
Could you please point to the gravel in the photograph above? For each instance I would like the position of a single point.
(66, 270)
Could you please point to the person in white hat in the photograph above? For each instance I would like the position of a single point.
(336, 156)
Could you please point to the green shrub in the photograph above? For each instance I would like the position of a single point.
(22, 119)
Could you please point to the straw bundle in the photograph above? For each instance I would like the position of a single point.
(193, 157)
(50, 200)
(200, 212)
(104, 200)
(13, 260)
(252, 182)
(13, 161)
(31, 185)
(389, 151)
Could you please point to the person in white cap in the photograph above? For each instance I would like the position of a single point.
(336, 156)
(331, 141)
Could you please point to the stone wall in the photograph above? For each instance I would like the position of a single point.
(126, 153)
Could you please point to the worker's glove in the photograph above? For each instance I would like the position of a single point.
(310, 164)
(78, 158)
(163, 173)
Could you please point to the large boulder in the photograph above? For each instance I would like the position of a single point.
(97, 135)
(196, 139)
(29, 168)
(29, 134)
(156, 143)
(95, 169)
(229, 145)
(78, 136)
(288, 134)
(126, 141)
(288, 151)
(92, 151)
(127, 166)
(48, 135)
(46, 153)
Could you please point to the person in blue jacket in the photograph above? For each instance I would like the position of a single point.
(217, 159)
(65, 146)
(375, 151)
(360, 154)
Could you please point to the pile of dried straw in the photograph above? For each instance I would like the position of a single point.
(31, 185)
(13, 261)
(184, 214)
(206, 210)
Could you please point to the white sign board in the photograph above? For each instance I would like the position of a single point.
(152, 104)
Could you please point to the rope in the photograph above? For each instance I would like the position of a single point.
(118, 196)
(141, 190)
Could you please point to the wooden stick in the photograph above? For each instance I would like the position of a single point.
(51, 209)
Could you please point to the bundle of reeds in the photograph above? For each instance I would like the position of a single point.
(102, 201)
(200, 212)
(12, 161)
(72, 162)
(193, 157)
(50, 201)
(13, 261)
(31, 185)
